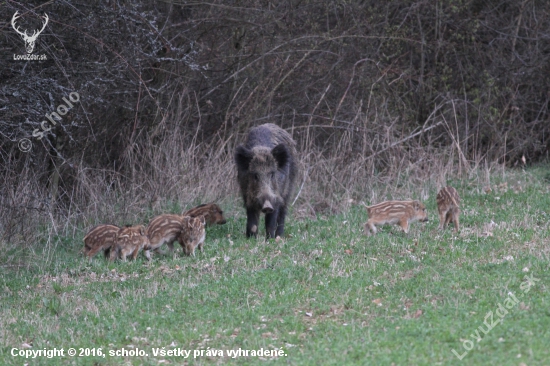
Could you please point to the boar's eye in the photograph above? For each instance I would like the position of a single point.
(271, 175)
(256, 176)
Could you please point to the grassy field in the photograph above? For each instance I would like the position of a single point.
(324, 295)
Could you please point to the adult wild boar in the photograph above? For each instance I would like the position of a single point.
(266, 170)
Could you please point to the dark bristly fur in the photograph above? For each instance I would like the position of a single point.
(266, 171)
(101, 237)
(212, 213)
(448, 205)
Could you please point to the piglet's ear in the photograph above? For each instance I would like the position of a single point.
(281, 155)
(243, 157)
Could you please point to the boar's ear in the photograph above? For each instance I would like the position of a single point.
(185, 221)
(243, 156)
(280, 153)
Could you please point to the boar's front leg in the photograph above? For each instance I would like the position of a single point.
(271, 223)
(281, 222)
(252, 219)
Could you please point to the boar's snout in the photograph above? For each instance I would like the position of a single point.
(267, 207)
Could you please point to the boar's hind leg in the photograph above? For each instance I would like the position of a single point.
(113, 254)
(147, 254)
(92, 251)
(253, 217)
(135, 253)
(271, 223)
(281, 222)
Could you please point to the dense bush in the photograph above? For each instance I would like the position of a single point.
(377, 84)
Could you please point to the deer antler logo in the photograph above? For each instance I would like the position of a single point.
(29, 40)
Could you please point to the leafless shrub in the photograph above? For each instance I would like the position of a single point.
(382, 97)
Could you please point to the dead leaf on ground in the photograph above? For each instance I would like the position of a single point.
(235, 332)
(417, 314)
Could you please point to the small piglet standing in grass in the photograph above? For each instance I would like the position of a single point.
(129, 241)
(395, 212)
(101, 237)
(163, 229)
(212, 213)
(266, 171)
(188, 231)
(193, 234)
(448, 205)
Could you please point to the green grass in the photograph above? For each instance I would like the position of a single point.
(325, 295)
